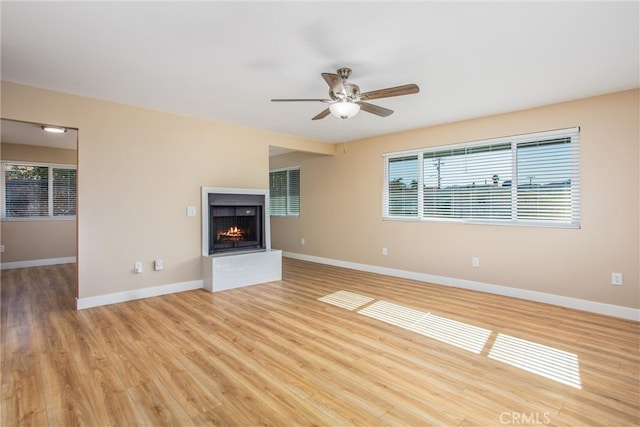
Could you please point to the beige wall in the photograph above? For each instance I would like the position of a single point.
(37, 240)
(341, 208)
(36, 153)
(138, 170)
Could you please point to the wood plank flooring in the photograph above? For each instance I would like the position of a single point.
(273, 354)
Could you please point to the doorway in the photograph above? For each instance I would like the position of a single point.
(38, 195)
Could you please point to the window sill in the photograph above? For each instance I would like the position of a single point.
(39, 218)
(539, 224)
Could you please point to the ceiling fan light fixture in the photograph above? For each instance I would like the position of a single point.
(53, 129)
(344, 109)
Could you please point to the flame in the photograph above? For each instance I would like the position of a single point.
(233, 234)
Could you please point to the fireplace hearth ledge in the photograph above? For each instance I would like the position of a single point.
(236, 270)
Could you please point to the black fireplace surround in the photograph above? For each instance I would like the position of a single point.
(236, 223)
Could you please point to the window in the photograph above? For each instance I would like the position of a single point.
(37, 191)
(284, 192)
(528, 179)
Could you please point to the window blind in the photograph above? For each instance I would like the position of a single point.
(26, 191)
(293, 192)
(284, 192)
(526, 179)
(402, 194)
(64, 192)
(544, 180)
(38, 191)
(468, 182)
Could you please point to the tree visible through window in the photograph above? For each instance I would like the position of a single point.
(523, 179)
(38, 191)
(64, 192)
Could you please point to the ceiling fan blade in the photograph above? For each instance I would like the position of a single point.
(375, 109)
(332, 79)
(300, 100)
(322, 114)
(391, 91)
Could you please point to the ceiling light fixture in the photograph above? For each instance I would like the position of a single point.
(53, 129)
(344, 109)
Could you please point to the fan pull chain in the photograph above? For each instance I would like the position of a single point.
(344, 137)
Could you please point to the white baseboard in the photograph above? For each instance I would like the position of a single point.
(37, 263)
(88, 302)
(562, 301)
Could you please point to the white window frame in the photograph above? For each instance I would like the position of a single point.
(50, 216)
(289, 212)
(515, 141)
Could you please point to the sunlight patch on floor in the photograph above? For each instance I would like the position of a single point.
(346, 299)
(549, 362)
(393, 314)
(459, 334)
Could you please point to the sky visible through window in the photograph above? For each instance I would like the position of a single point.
(467, 169)
(536, 165)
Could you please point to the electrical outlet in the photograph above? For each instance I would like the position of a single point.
(384, 251)
(616, 279)
(475, 261)
(137, 267)
(1, 248)
(302, 242)
(158, 265)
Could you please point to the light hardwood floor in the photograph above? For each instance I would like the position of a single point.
(274, 354)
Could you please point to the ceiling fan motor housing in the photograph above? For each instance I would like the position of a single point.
(345, 92)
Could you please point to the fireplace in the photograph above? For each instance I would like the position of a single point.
(236, 223)
(236, 239)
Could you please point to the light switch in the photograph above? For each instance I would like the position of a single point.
(191, 211)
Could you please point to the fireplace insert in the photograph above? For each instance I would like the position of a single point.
(236, 223)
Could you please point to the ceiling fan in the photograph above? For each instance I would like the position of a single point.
(346, 100)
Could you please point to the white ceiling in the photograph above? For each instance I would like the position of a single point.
(224, 61)
(14, 132)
